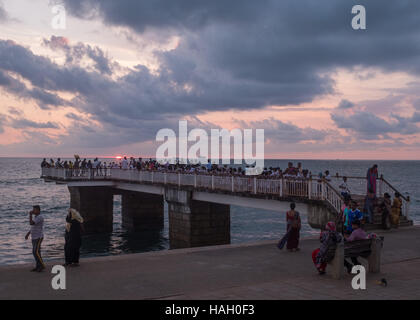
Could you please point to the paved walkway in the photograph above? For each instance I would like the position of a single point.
(252, 271)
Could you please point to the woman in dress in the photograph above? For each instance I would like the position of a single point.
(293, 228)
(73, 237)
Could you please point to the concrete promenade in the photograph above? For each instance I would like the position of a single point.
(249, 271)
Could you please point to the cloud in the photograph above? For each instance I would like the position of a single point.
(190, 14)
(75, 53)
(281, 132)
(14, 111)
(272, 40)
(345, 104)
(22, 123)
(3, 14)
(368, 126)
(43, 98)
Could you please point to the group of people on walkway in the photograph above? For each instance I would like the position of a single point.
(101, 168)
(72, 236)
(348, 225)
(329, 238)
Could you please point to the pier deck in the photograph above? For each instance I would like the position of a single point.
(249, 271)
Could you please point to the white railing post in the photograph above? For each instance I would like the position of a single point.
(255, 185)
(152, 176)
(179, 179)
(195, 180)
(281, 187)
(380, 187)
(322, 190)
(233, 185)
(310, 188)
(212, 182)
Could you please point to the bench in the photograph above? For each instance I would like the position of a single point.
(369, 249)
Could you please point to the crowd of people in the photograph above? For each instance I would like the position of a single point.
(102, 167)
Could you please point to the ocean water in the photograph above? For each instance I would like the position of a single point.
(21, 187)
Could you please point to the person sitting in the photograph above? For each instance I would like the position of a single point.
(357, 234)
(345, 191)
(329, 239)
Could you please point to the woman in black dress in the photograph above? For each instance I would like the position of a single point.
(73, 237)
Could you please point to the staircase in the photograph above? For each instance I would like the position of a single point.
(377, 215)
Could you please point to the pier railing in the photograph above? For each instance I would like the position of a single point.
(305, 189)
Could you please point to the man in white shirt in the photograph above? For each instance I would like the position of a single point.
(124, 164)
(36, 221)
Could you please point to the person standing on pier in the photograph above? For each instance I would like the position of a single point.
(371, 177)
(396, 210)
(36, 221)
(293, 228)
(73, 237)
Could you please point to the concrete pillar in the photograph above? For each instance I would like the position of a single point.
(95, 204)
(142, 211)
(374, 260)
(319, 215)
(196, 223)
(337, 264)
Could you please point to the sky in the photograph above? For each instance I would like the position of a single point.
(122, 70)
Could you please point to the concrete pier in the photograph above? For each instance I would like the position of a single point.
(247, 271)
(142, 211)
(95, 204)
(194, 223)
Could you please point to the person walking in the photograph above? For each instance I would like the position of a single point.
(73, 237)
(293, 228)
(36, 221)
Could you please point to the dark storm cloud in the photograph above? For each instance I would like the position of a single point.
(233, 55)
(191, 14)
(277, 40)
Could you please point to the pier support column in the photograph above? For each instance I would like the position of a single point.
(95, 204)
(142, 211)
(196, 223)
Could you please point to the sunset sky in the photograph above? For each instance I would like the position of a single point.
(122, 70)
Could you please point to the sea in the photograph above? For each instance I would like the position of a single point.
(21, 188)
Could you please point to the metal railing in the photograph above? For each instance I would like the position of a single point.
(310, 189)
(283, 187)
